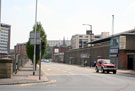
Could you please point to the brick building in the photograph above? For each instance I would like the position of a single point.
(20, 49)
(20, 54)
(58, 53)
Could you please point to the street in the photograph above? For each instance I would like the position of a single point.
(64, 77)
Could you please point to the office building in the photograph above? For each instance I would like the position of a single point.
(5, 40)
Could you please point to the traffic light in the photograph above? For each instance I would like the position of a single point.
(37, 49)
(42, 45)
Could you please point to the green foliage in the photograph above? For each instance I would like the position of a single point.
(48, 55)
(30, 48)
(48, 52)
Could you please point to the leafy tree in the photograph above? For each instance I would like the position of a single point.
(30, 48)
(48, 52)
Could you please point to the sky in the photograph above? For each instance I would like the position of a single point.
(64, 18)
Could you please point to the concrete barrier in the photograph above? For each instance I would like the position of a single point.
(5, 68)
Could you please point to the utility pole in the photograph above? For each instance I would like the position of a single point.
(90, 40)
(0, 16)
(35, 39)
(112, 25)
(40, 60)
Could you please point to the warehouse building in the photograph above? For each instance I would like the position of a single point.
(120, 48)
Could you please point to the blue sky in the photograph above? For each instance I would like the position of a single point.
(65, 17)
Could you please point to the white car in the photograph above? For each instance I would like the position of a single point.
(45, 60)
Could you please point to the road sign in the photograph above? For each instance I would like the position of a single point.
(32, 35)
(34, 39)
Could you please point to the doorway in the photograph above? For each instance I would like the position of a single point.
(130, 61)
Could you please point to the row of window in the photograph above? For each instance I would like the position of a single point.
(3, 35)
(4, 32)
(83, 36)
(3, 45)
(3, 38)
(3, 51)
(3, 41)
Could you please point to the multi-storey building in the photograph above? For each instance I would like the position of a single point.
(5, 40)
(81, 40)
(20, 49)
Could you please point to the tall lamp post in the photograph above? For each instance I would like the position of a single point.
(90, 38)
(35, 39)
(89, 25)
(90, 30)
(0, 16)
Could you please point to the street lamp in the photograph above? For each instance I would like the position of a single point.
(35, 39)
(90, 30)
(89, 25)
(0, 16)
(90, 38)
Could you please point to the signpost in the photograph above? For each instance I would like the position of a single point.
(36, 41)
(32, 38)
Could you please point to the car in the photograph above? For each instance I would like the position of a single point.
(105, 65)
(45, 60)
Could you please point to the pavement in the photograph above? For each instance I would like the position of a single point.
(125, 71)
(122, 71)
(24, 76)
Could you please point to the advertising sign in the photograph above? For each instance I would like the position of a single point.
(122, 42)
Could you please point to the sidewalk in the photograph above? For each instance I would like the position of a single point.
(24, 76)
(126, 71)
(121, 71)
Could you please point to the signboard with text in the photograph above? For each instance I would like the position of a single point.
(34, 39)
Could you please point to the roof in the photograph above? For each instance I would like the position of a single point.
(129, 32)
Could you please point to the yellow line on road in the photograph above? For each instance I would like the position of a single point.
(29, 84)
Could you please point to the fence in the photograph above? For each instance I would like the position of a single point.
(19, 61)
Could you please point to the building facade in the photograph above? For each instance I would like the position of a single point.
(58, 53)
(119, 48)
(20, 49)
(5, 39)
(53, 43)
(81, 40)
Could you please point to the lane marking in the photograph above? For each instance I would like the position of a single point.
(30, 84)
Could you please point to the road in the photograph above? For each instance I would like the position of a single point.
(63, 77)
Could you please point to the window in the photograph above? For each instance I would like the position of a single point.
(80, 36)
(115, 42)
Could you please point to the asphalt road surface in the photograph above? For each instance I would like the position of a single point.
(63, 77)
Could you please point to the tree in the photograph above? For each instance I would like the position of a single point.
(30, 48)
(48, 52)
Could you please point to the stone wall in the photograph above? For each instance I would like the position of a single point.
(73, 56)
(5, 68)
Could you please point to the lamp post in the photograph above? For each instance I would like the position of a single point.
(112, 25)
(35, 40)
(0, 16)
(90, 39)
(90, 30)
(89, 25)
